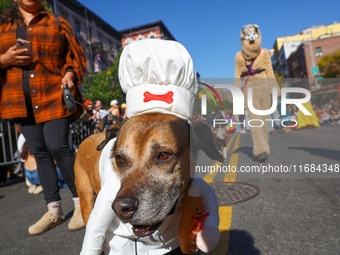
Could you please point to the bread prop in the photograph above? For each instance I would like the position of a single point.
(193, 235)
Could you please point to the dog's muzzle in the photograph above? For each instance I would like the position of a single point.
(125, 208)
(250, 33)
(251, 36)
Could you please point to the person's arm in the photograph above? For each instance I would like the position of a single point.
(118, 113)
(75, 58)
(97, 115)
(240, 66)
(124, 117)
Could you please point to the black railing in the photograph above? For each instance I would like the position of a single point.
(80, 130)
(8, 142)
(9, 133)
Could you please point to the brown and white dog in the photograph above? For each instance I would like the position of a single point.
(154, 157)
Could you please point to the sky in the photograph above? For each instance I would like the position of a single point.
(210, 29)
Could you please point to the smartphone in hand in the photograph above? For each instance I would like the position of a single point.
(23, 44)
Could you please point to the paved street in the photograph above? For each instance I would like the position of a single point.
(279, 213)
(18, 210)
(287, 213)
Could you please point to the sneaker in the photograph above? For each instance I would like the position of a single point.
(38, 190)
(31, 189)
(47, 222)
(76, 222)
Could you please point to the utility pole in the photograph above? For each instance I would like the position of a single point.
(313, 63)
(89, 40)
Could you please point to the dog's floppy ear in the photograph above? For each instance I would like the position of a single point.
(102, 124)
(110, 133)
(204, 140)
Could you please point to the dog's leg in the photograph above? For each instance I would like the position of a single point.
(85, 191)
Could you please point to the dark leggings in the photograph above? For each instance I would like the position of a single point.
(48, 142)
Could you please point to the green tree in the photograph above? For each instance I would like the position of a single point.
(104, 85)
(330, 65)
(4, 4)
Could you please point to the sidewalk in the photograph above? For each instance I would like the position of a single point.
(19, 210)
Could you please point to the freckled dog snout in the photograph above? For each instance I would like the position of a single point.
(125, 207)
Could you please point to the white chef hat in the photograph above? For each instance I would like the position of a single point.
(157, 77)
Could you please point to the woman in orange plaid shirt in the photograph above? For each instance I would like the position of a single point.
(31, 94)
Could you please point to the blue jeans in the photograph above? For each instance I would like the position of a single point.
(32, 177)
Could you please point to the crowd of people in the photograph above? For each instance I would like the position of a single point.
(327, 114)
(100, 117)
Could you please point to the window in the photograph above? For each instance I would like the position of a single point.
(110, 46)
(63, 14)
(318, 51)
(128, 40)
(77, 28)
(100, 39)
(139, 37)
(152, 35)
(299, 60)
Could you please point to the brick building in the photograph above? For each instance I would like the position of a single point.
(93, 33)
(156, 30)
(284, 46)
(308, 54)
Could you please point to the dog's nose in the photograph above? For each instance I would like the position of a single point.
(125, 207)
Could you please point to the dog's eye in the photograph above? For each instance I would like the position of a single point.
(119, 160)
(164, 156)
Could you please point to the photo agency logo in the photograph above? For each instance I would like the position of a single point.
(239, 105)
(204, 97)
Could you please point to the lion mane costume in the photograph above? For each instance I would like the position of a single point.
(253, 65)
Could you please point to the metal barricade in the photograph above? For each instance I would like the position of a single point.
(80, 130)
(10, 163)
(8, 142)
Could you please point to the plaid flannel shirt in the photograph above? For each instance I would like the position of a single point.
(53, 52)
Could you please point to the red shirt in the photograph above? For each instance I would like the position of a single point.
(53, 52)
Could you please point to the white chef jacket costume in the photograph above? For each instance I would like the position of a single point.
(148, 68)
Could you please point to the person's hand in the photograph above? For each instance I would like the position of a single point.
(13, 57)
(68, 80)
